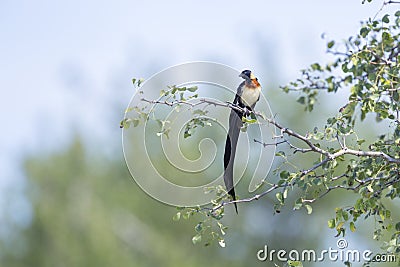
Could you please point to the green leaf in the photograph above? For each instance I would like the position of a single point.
(316, 66)
(129, 109)
(177, 216)
(309, 209)
(192, 89)
(199, 227)
(385, 18)
(222, 228)
(123, 124)
(360, 141)
(135, 122)
(364, 32)
(244, 119)
(370, 189)
(397, 227)
(199, 112)
(196, 239)
(173, 89)
(345, 215)
(339, 226)
(301, 100)
(285, 193)
(388, 214)
(319, 136)
(186, 215)
(298, 204)
(140, 81)
(295, 263)
(352, 227)
(396, 96)
(284, 174)
(331, 120)
(331, 223)
(279, 196)
(397, 14)
(126, 123)
(331, 44)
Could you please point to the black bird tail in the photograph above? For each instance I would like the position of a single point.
(235, 123)
(232, 193)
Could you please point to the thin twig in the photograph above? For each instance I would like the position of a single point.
(244, 200)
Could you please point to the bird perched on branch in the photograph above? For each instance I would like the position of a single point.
(247, 95)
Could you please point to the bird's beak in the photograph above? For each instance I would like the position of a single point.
(241, 75)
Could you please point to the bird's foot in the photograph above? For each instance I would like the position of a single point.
(246, 112)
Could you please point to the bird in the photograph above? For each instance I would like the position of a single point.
(247, 95)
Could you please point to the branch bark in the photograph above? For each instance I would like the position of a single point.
(284, 130)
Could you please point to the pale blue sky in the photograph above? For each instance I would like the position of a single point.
(65, 63)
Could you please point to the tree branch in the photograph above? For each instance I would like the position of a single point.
(311, 148)
(331, 156)
(256, 197)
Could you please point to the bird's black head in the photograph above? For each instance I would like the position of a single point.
(246, 74)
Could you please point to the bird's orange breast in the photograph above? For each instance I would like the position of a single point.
(253, 84)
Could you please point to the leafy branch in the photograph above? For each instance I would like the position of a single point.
(368, 66)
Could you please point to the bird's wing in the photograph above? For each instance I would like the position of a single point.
(239, 92)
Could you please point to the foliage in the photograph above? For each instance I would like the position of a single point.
(205, 229)
(366, 64)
